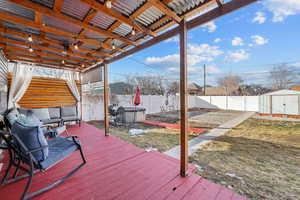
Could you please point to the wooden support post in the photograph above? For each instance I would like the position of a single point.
(105, 99)
(183, 100)
(81, 103)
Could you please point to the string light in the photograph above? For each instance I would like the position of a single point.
(30, 38)
(133, 31)
(113, 47)
(64, 52)
(82, 65)
(63, 61)
(76, 46)
(108, 3)
(30, 49)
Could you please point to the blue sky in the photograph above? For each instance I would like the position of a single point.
(248, 42)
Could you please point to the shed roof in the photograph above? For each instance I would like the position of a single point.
(283, 92)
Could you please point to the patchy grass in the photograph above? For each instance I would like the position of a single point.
(160, 138)
(263, 155)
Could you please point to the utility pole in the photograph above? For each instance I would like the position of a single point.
(204, 80)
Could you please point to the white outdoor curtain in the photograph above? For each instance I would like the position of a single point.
(22, 75)
(71, 82)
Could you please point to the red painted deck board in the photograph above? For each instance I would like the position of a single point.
(118, 170)
(172, 126)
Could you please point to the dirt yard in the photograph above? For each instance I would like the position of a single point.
(259, 159)
(160, 138)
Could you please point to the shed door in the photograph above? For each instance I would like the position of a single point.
(285, 105)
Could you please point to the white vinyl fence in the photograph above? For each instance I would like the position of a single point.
(93, 104)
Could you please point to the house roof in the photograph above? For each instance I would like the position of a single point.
(77, 34)
(283, 92)
(194, 86)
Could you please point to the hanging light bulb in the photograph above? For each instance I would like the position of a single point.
(113, 47)
(30, 38)
(82, 65)
(133, 31)
(76, 46)
(108, 3)
(30, 49)
(63, 61)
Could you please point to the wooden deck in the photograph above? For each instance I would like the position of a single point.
(118, 170)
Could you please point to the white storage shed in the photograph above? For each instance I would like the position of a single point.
(281, 102)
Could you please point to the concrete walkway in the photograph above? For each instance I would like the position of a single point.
(201, 140)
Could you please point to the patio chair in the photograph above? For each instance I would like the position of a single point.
(30, 152)
(70, 114)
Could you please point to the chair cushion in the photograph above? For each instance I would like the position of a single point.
(29, 120)
(68, 111)
(23, 111)
(54, 113)
(12, 116)
(58, 151)
(51, 121)
(71, 118)
(41, 113)
(32, 137)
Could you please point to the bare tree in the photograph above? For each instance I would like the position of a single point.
(281, 76)
(230, 84)
(149, 84)
(172, 87)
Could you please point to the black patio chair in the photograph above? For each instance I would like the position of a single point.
(24, 156)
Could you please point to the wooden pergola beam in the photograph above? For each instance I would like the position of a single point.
(49, 12)
(38, 18)
(18, 20)
(165, 9)
(102, 8)
(17, 49)
(58, 5)
(183, 100)
(106, 99)
(168, 22)
(198, 21)
(49, 41)
(50, 49)
(52, 65)
(91, 14)
(15, 54)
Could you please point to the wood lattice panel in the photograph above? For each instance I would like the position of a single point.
(46, 93)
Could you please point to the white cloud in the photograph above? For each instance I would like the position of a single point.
(260, 18)
(197, 53)
(237, 41)
(237, 56)
(282, 9)
(212, 69)
(204, 50)
(259, 40)
(296, 64)
(169, 60)
(217, 40)
(173, 39)
(210, 26)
